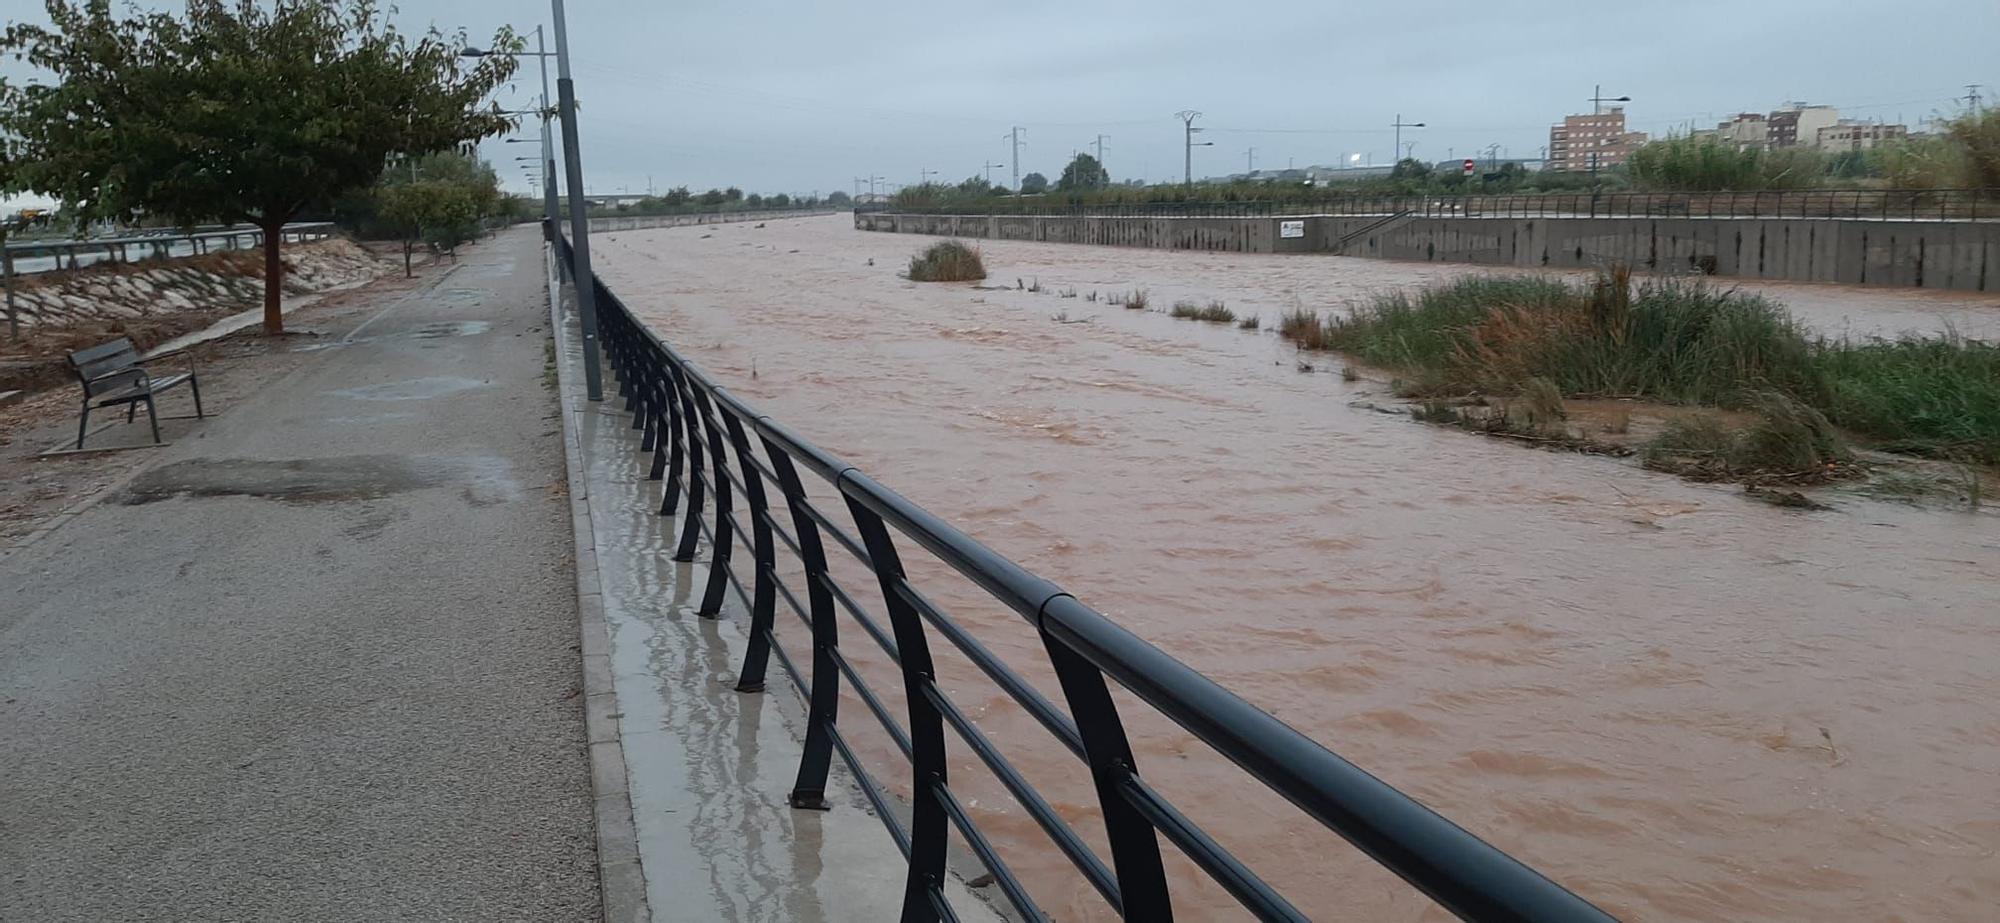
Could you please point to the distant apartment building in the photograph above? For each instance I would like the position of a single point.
(1858, 136)
(1744, 132)
(1800, 124)
(1586, 143)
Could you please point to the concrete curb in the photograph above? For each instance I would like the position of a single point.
(621, 880)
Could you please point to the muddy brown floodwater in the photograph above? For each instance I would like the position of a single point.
(1682, 705)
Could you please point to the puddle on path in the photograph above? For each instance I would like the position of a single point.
(341, 479)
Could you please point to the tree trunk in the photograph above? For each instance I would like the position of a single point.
(274, 280)
(407, 271)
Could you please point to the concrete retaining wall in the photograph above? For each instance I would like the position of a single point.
(1961, 255)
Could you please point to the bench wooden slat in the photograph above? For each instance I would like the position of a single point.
(102, 350)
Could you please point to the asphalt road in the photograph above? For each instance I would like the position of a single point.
(319, 661)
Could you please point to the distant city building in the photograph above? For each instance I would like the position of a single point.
(1587, 143)
(1850, 135)
(1800, 124)
(1744, 132)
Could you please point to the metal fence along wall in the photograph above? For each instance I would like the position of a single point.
(1903, 204)
(642, 222)
(737, 479)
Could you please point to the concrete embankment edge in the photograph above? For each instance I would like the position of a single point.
(1954, 255)
(622, 881)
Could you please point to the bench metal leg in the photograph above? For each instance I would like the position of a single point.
(131, 410)
(194, 384)
(153, 417)
(83, 426)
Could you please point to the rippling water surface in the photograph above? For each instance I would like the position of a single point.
(1680, 704)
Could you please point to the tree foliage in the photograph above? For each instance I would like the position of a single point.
(237, 110)
(442, 199)
(1083, 172)
(1034, 184)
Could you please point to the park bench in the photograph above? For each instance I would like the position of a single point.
(113, 373)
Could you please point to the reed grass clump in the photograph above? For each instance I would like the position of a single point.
(947, 261)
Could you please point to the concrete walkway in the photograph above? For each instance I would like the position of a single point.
(319, 661)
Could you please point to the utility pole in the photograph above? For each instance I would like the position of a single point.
(1399, 125)
(1187, 117)
(924, 176)
(988, 167)
(579, 213)
(1100, 149)
(1250, 160)
(1971, 98)
(1015, 135)
(857, 186)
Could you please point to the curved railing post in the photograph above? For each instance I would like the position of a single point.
(763, 595)
(929, 824)
(722, 546)
(823, 705)
(663, 410)
(1135, 849)
(691, 522)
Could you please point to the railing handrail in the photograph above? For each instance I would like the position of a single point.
(35, 247)
(1914, 204)
(677, 401)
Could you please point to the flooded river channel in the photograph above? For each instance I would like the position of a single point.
(1681, 704)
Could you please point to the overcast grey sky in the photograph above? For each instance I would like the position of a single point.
(804, 97)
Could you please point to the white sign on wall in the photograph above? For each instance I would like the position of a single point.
(1291, 229)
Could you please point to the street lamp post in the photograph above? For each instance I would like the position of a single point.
(1597, 101)
(1399, 125)
(541, 56)
(579, 211)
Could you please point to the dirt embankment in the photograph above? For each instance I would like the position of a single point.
(154, 301)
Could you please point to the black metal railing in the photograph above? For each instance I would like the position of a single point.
(1880, 204)
(720, 457)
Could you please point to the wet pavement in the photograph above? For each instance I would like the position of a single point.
(710, 768)
(319, 661)
(1682, 704)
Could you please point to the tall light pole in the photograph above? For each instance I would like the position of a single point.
(1187, 117)
(1597, 101)
(989, 171)
(541, 56)
(579, 211)
(1399, 125)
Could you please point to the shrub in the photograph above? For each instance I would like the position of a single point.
(1303, 327)
(947, 261)
(1935, 397)
(1674, 340)
(1249, 323)
(1790, 441)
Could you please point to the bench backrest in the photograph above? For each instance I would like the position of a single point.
(107, 366)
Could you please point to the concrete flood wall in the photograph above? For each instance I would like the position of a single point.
(1961, 255)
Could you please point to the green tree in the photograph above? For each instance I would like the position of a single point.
(714, 197)
(754, 201)
(1410, 169)
(1978, 136)
(677, 197)
(1034, 184)
(839, 199)
(1084, 172)
(780, 200)
(237, 110)
(440, 199)
(732, 194)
